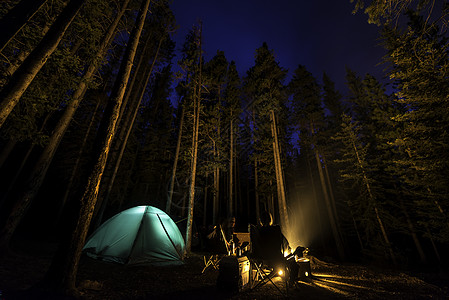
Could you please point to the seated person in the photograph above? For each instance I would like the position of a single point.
(229, 232)
(216, 242)
(268, 241)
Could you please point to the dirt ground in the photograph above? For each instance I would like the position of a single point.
(101, 280)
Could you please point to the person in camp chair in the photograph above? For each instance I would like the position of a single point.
(229, 232)
(274, 242)
(216, 240)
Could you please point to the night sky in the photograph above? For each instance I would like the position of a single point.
(323, 35)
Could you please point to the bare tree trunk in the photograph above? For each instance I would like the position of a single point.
(331, 192)
(231, 160)
(193, 176)
(68, 189)
(64, 267)
(256, 175)
(122, 139)
(315, 196)
(20, 58)
(435, 249)
(18, 171)
(130, 88)
(357, 231)
(40, 169)
(23, 77)
(197, 109)
(376, 210)
(412, 231)
(283, 213)
(217, 184)
(329, 206)
(16, 18)
(256, 190)
(330, 212)
(205, 202)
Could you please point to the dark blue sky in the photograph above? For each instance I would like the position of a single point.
(323, 35)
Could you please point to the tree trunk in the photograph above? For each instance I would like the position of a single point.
(315, 197)
(376, 210)
(18, 171)
(231, 160)
(16, 18)
(62, 272)
(123, 140)
(256, 175)
(68, 189)
(329, 206)
(130, 87)
(40, 169)
(412, 231)
(283, 213)
(193, 175)
(434, 246)
(215, 202)
(18, 61)
(330, 212)
(23, 77)
(197, 109)
(256, 190)
(331, 192)
(356, 228)
(16, 175)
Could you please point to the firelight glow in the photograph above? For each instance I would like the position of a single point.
(303, 228)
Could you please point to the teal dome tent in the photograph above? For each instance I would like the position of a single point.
(138, 235)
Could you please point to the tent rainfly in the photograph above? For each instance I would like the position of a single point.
(138, 235)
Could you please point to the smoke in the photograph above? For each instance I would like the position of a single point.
(304, 220)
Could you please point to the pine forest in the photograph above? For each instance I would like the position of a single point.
(101, 111)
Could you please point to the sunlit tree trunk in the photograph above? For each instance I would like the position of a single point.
(16, 18)
(64, 266)
(23, 77)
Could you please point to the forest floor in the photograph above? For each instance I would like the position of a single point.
(101, 280)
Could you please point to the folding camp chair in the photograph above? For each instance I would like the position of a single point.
(267, 257)
(217, 247)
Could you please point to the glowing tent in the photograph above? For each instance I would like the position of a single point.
(139, 235)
